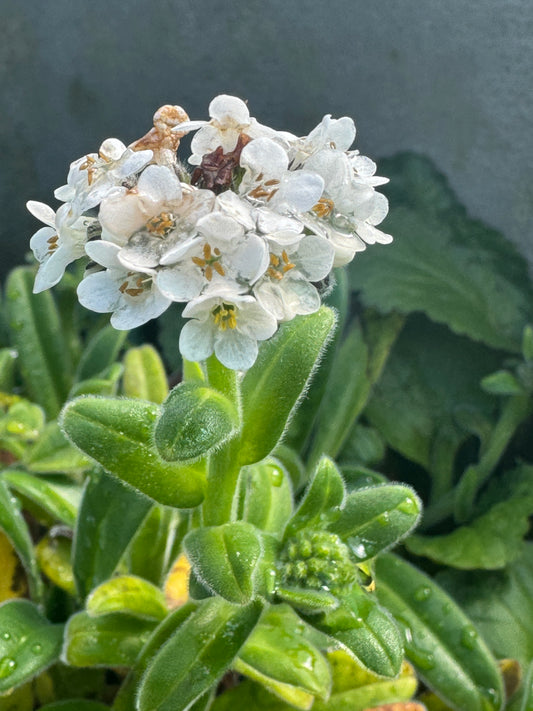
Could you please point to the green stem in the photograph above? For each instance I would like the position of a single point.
(223, 470)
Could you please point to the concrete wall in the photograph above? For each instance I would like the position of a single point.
(451, 79)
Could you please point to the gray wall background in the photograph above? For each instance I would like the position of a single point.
(449, 78)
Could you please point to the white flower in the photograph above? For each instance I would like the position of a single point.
(338, 134)
(94, 176)
(133, 297)
(58, 244)
(229, 119)
(285, 290)
(268, 181)
(158, 214)
(228, 323)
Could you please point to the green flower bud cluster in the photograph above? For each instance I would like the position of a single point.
(318, 560)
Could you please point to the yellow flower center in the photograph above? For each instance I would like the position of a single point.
(210, 261)
(324, 207)
(135, 284)
(225, 316)
(161, 225)
(279, 266)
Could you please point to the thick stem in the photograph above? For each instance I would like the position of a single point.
(223, 470)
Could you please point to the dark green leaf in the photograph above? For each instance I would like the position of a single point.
(274, 384)
(308, 601)
(105, 384)
(112, 640)
(15, 528)
(374, 519)
(266, 496)
(150, 553)
(502, 382)
(8, 358)
(366, 631)
(28, 643)
(491, 541)
(444, 263)
(37, 335)
(75, 705)
(59, 498)
(197, 655)
(500, 604)
(527, 694)
(195, 419)
(225, 558)
(144, 374)
(364, 446)
(322, 500)
(110, 513)
(440, 639)
(118, 434)
(101, 352)
(527, 343)
(431, 375)
(278, 655)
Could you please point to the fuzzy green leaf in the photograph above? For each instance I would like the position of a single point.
(101, 352)
(374, 519)
(109, 514)
(225, 559)
(273, 385)
(197, 655)
(52, 452)
(112, 640)
(28, 643)
(118, 434)
(57, 496)
(37, 336)
(8, 359)
(195, 419)
(105, 384)
(444, 263)
(265, 496)
(16, 529)
(144, 374)
(440, 639)
(128, 594)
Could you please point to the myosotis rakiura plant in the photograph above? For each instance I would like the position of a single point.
(291, 598)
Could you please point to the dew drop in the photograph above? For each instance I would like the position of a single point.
(421, 658)
(408, 506)
(37, 648)
(276, 477)
(469, 637)
(6, 636)
(383, 519)
(423, 593)
(7, 667)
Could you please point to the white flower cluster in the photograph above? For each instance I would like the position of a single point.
(242, 240)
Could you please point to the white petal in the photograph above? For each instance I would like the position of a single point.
(204, 141)
(52, 269)
(99, 292)
(251, 258)
(111, 149)
(122, 215)
(42, 212)
(272, 298)
(371, 234)
(219, 227)
(341, 132)
(269, 222)
(179, 284)
(345, 246)
(235, 350)
(314, 257)
(188, 126)
(39, 242)
(179, 250)
(299, 191)
(133, 162)
(196, 340)
(141, 252)
(234, 206)
(104, 253)
(302, 296)
(226, 109)
(134, 311)
(380, 209)
(264, 156)
(254, 321)
(160, 184)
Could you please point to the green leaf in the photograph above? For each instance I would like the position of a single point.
(19, 699)
(144, 375)
(36, 333)
(101, 352)
(197, 655)
(322, 500)
(28, 643)
(16, 529)
(129, 594)
(23, 420)
(266, 496)
(54, 453)
(118, 433)
(195, 419)
(366, 631)
(8, 358)
(75, 705)
(345, 397)
(274, 384)
(502, 382)
(444, 263)
(440, 639)
(374, 519)
(105, 384)
(109, 514)
(150, 552)
(500, 604)
(430, 377)
(54, 553)
(59, 498)
(225, 558)
(308, 601)
(491, 541)
(364, 446)
(527, 343)
(278, 656)
(527, 694)
(112, 640)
